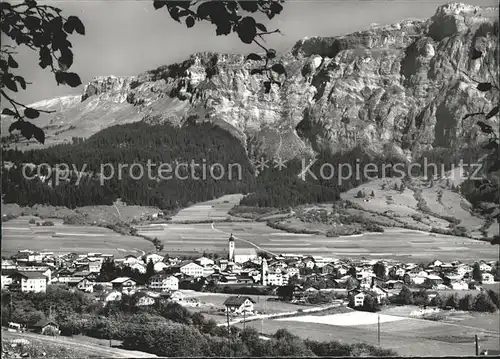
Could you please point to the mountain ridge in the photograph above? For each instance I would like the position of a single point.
(405, 85)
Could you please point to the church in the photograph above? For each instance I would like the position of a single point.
(240, 255)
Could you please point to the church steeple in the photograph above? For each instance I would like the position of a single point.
(231, 248)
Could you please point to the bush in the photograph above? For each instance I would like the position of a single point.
(483, 303)
(32, 221)
(47, 223)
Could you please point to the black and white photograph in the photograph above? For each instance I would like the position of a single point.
(257, 178)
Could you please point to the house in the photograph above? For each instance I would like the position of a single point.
(487, 278)
(460, 285)
(204, 261)
(394, 284)
(242, 255)
(113, 296)
(28, 282)
(124, 284)
(6, 279)
(485, 267)
(177, 296)
(239, 304)
(8, 264)
(86, 285)
(45, 326)
(95, 266)
(192, 269)
(142, 299)
(357, 297)
(163, 282)
(130, 259)
(141, 268)
(154, 257)
(160, 266)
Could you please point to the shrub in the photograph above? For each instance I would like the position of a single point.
(47, 223)
(483, 303)
(32, 221)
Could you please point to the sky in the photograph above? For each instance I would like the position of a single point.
(127, 37)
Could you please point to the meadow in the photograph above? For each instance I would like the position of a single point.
(18, 234)
(394, 243)
(407, 336)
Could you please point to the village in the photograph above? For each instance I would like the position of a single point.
(292, 278)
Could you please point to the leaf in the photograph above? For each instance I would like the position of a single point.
(476, 54)
(276, 8)
(21, 81)
(278, 68)
(39, 134)
(271, 54)
(261, 27)
(66, 59)
(484, 86)
(74, 23)
(247, 30)
(11, 85)
(31, 113)
(254, 57)
(174, 13)
(68, 78)
(485, 127)
(12, 63)
(250, 6)
(8, 111)
(159, 4)
(15, 126)
(492, 113)
(45, 57)
(32, 22)
(190, 21)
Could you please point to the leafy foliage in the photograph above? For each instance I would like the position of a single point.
(493, 145)
(41, 28)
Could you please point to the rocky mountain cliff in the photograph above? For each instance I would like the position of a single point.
(406, 86)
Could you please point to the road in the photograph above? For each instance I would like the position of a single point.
(90, 348)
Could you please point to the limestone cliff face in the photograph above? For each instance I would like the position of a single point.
(407, 84)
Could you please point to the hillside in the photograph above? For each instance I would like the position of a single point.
(407, 84)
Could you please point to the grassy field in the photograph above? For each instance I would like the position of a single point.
(214, 210)
(407, 336)
(395, 243)
(19, 234)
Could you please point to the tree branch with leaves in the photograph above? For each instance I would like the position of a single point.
(41, 28)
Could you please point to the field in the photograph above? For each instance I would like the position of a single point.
(407, 336)
(19, 234)
(214, 210)
(395, 243)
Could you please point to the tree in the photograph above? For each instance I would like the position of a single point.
(351, 283)
(477, 274)
(452, 301)
(493, 144)
(285, 292)
(405, 296)
(150, 269)
(370, 304)
(379, 270)
(483, 303)
(437, 301)
(43, 29)
(466, 303)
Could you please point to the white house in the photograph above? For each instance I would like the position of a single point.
(154, 257)
(138, 267)
(163, 282)
(204, 261)
(130, 259)
(485, 267)
(275, 278)
(95, 266)
(113, 296)
(242, 255)
(192, 269)
(29, 282)
(124, 284)
(358, 298)
(86, 285)
(239, 304)
(459, 285)
(160, 266)
(487, 278)
(143, 299)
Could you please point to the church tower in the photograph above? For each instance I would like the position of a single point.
(231, 248)
(264, 270)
